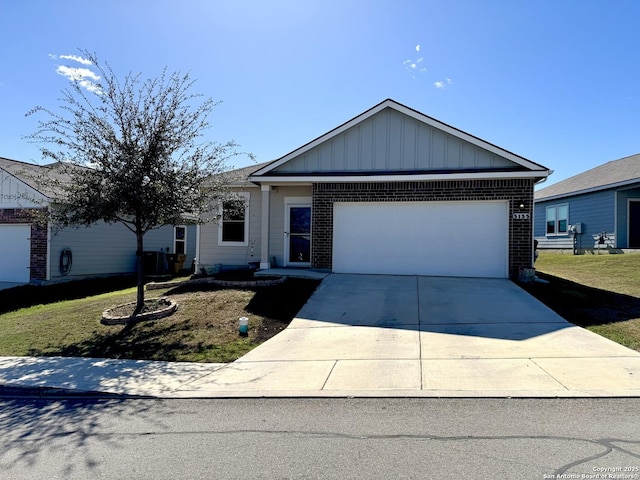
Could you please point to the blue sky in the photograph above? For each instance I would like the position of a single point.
(557, 82)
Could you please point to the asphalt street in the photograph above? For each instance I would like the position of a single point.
(319, 438)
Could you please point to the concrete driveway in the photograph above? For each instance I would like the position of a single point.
(373, 335)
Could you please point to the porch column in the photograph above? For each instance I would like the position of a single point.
(264, 236)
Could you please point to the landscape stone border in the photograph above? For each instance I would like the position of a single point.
(110, 319)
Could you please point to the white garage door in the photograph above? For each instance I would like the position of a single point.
(15, 250)
(463, 239)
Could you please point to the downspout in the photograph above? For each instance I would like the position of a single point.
(615, 219)
(197, 259)
(48, 262)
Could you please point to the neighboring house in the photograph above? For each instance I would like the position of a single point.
(603, 204)
(34, 253)
(391, 191)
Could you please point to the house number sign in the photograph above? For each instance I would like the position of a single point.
(521, 216)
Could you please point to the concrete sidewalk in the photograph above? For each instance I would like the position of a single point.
(381, 336)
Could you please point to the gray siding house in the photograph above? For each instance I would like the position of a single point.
(599, 208)
(34, 253)
(391, 191)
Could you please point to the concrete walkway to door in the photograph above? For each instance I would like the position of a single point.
(379, 335)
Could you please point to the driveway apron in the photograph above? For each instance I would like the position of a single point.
(373, 335)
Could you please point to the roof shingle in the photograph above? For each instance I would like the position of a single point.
(616, 172)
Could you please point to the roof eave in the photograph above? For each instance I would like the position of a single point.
(588, 190)
(394, 178)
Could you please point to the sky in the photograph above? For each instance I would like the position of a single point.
(554, 81)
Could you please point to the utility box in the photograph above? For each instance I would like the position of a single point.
(575, 228)
(154, 263)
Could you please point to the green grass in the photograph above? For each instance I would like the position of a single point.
(203, 329)
(598, 292)
(616, 273)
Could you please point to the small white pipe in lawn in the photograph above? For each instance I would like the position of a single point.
(243, 326)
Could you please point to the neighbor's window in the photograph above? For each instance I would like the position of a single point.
(558, 219)
(179, 239)
(234, 227)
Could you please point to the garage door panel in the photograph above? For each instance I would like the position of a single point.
(426, 238)
(15, 253)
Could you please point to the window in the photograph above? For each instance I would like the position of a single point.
(234, 227)
(179, 239)
(558, 219)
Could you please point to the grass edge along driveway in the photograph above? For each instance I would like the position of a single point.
(598, 292)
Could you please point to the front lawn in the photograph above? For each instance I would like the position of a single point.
(203, 329)
(598, 292)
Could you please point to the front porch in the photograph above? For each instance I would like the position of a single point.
(293, 273)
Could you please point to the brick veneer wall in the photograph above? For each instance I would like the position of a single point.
(38, 263)
(513, 190)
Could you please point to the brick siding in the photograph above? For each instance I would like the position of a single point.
(513, 190)
(38, 263)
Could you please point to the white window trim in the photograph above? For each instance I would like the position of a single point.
(556, 233)
(221, 243)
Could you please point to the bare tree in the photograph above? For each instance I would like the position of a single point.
(131, 151)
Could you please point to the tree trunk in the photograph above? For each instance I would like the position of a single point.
(140, 272)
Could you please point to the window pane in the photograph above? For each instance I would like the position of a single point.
(551, 227)
(179, 247)
(180, 231)
(551, 220)
(562, 226)
(300, 219)
(563, 218)
(300, 248)
(233, 231)
(563, 212)
(233, 210)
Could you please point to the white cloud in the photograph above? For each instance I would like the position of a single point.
(412, 66)
(442, 84)
(83, 76)
(76, 58)
(76, 74)
(417, 48)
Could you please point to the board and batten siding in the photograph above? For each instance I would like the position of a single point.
(596, 212)
(393, 142)
(14, 193)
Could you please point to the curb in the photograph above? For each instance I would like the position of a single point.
(10, 391)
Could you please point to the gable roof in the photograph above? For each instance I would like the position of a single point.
(615, 173)
(32, 174)
(524, 167)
